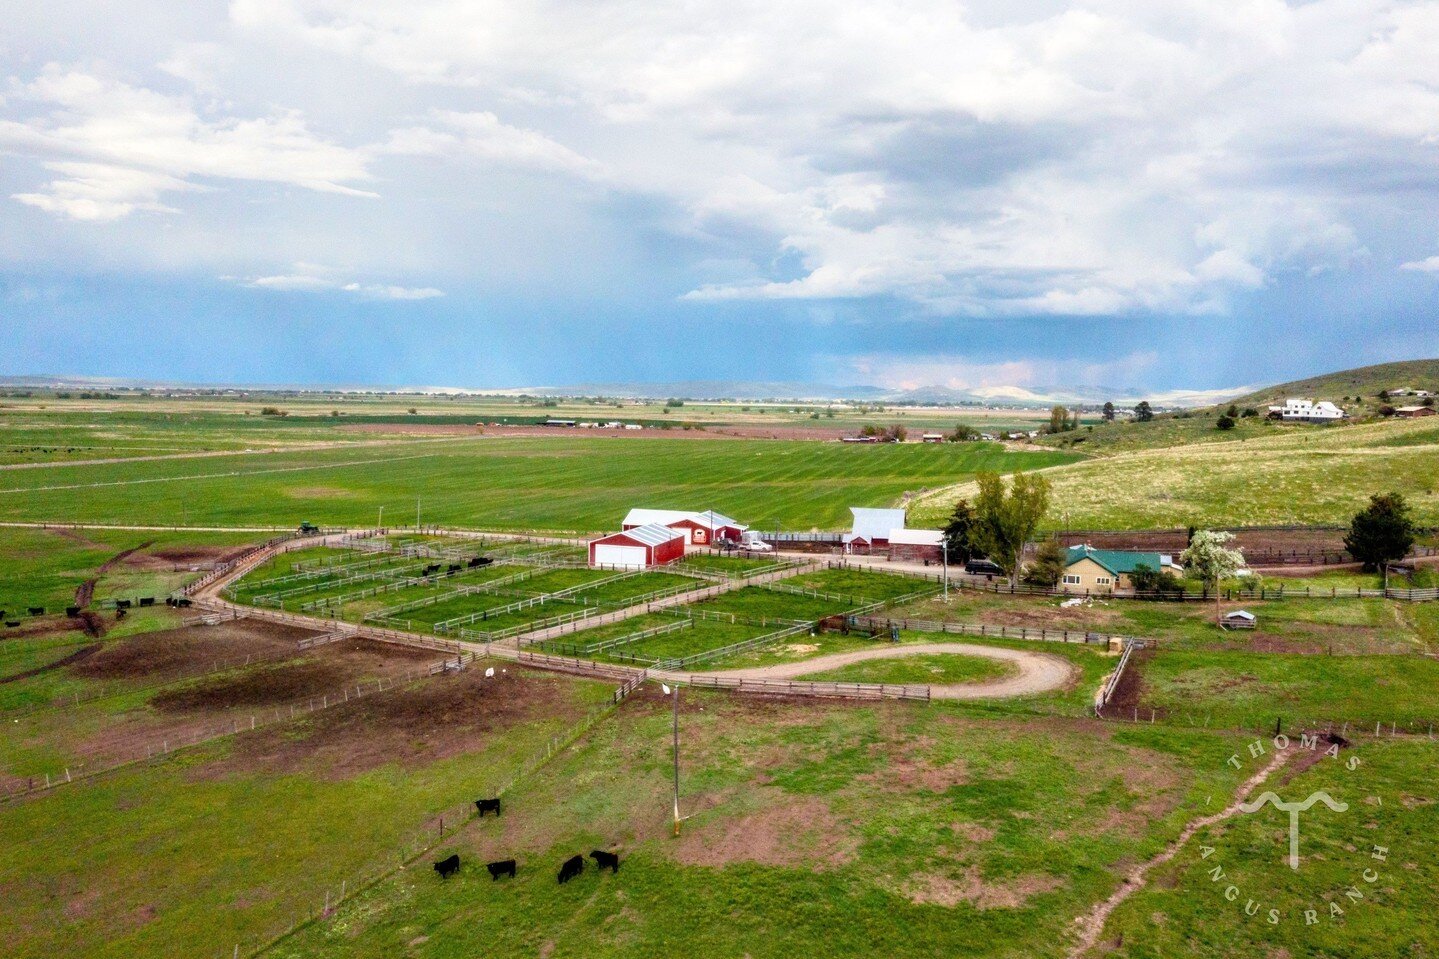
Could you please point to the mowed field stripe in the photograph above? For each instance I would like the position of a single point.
(228, 474)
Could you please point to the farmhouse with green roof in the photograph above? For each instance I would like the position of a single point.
(1087, 569)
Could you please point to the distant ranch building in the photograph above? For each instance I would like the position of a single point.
(1414, 412)
(1306, 411)
(871, 528)
(638, 548)
(701, 529)
(916, 545)
(1090, 570)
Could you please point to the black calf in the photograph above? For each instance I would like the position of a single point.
(72, 611)
(573, 867)
(487, 805)
(37, 610)
(505, 867)
(447, 867)
(605, 860)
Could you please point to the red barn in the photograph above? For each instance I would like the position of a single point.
(702, 529)
(638, 548)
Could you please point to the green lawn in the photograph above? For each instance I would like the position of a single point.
(930, 669)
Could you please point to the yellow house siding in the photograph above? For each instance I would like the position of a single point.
(1087, 575)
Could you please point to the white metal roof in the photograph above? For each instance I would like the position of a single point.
(873, 524)
(916, 537)
(1243, 614)
(707, 518)
(651, 534)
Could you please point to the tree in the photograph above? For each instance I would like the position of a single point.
(1225, 422)
(1427, 401)
(1147, 580)
(1005, 520)
(1058, 419)
(1142, 412)
(1048, 564)
(1108, 412)
(1210, 561)
(1381, 532)
(1232, 412)
(957, 534)
(963, 433)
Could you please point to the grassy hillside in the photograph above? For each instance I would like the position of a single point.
(1365, 381)
(1289, 475)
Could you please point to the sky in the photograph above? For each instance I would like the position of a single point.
(493, 193)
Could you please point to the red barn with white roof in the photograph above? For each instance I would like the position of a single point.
(638, 548)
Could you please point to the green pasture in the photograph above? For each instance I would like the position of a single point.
(914, 827)
(1236, 689)
(560, 483)
(1390, 802)
(220, 845)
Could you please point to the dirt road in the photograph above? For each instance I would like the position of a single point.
(1038, 672)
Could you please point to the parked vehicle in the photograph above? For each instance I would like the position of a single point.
(983, 567)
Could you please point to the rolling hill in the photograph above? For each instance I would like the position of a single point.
(1365, 381)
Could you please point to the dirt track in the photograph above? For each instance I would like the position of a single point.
(1038, 672)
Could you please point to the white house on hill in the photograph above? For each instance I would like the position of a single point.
(1307, 411)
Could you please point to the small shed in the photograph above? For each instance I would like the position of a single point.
(638, 548)
(871, 528)
(1239, 619)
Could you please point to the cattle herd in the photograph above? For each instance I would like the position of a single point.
(569, 869)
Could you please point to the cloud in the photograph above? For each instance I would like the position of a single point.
(118, 148)
(311, 278)
(1427, 265)
(482, 135)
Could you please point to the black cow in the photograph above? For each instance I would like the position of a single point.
(488, 805)
(505, 867)
(120, 612)
(453, 568)
(12, 623)
(37, 610)
(122, 604)
(182, 603)
(447, 867)
(72, 610)
(604, 860)
(147, 601)
(573, 867)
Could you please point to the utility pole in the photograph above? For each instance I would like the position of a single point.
(677, 757)
(944, 557)
(380, 524)
(417, 514)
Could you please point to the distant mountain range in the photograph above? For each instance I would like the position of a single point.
(1369, 379)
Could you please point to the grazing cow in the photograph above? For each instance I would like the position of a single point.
(12, 623)
(505, 867)
(147, 601)
(120, 612)
(488, 805)
(447, 867)
(573, 867)
(603, 860)
(182, 603)
(122, 604)
(37, 610)
(72, 610)
(453, 568)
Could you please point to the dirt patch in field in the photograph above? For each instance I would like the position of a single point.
(80, 654)
(189, 648)
(951, 890)
(793, 831)
(284, 683)
(421, 724)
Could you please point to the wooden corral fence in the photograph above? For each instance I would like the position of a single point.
(1106, 692)
(994, 632)
(786, 687)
